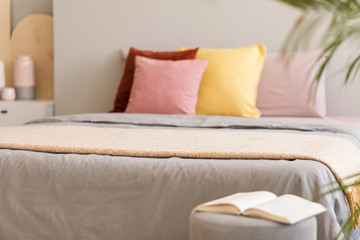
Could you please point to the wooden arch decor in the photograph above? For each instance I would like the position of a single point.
(33, 36)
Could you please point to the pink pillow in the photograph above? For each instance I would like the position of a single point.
(284, 86)
(165, 86)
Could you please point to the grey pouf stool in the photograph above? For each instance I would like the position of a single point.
(218, 226)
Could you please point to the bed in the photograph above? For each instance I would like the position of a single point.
(68, 177)
(49, 194)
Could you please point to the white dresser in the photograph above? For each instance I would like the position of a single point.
(20, 112)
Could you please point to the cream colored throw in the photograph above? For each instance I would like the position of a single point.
(340, 155)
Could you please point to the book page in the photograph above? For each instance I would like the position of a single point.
(287, 209)
(245, 200)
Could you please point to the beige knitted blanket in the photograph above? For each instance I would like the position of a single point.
(340, 155)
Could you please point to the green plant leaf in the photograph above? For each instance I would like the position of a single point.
(344, 25)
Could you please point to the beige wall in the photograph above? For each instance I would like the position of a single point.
(87, 42)
(89, 34)
(22, 8)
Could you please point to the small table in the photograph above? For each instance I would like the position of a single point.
(21, 111)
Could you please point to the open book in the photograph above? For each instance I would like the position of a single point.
(287, 208)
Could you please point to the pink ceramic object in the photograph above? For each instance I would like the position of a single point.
(8, 94)
(24, 72)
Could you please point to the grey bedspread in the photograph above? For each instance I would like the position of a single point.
(72, 196)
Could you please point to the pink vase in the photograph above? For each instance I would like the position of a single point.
(24, 77)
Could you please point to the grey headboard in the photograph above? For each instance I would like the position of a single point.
(89, 34)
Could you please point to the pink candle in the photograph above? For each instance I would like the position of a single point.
(8, 94)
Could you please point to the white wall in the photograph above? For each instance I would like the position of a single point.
(342, 99)
(22, 8)
(89, 34)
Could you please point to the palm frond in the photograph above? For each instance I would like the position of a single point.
(335, 186)
(344, 25)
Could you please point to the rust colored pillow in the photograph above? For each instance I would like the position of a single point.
(123, 93)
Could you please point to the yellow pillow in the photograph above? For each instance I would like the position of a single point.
(230, 81)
